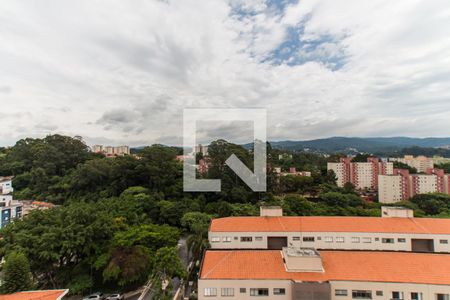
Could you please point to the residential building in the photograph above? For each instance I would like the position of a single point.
(363, 175)
(395, 230)
(6, 185)
(437, 160)
(9, 208)
(36, 295)
(111, 151)
(292, 171)
(307, 274)
(30, 205)
(420, 163)
(201, 149)
(402, 185)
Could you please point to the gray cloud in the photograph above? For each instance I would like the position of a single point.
(116, 78)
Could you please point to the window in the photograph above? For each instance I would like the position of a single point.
(319, 238)
(367, 240)
(416, 296)
(401, 240)
(246, 239)
(226, 239)
(259, 292)
(215, 239)
(236, 238)
(258, 238)
(227, 292)
(443, 241)
(360, 294)
(328, 239)
(277, 291)
(442, 297)
(397, 295)
(355, 239)
(340, 239)
(387, 240)
(296, 238)
(377, 239)
(379, 293)
(242, 290)
(308, 239)
(210, 292)
(340, 292)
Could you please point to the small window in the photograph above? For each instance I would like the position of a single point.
(367, 240)
(361, 294)
(340, 292)
(340, 239)
(226, 239)
(401, 240)
(397, 295)
(277, 291)
(242, 290)
(443, 241)
(258, 238)
(308, 239)
(387, 240)
(328, 239)
(236, 238)
(377, 239)
(319, 238)
(442, 297)
(246, 239)
(379, 293)
(296, 238)
(215, 239)
(227, 292)
(416, 296)
(259, 292)
(210, 292)
(355, 239)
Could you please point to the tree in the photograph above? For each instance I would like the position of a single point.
(169, 263)
(17, 274)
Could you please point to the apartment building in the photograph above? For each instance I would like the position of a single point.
(420, 163)
(9, 208)
(6, 185)
(111, 151)
(307, 274)
(363, 175)
(402, 185)
(292, 171)
(395, 230)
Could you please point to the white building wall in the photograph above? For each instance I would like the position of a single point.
(389, 188)
(338, 169)
(328, 240)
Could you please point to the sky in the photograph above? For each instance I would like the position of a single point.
(121, 72)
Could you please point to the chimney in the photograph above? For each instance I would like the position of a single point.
(270, 211)
(396, 212)
(302, 260)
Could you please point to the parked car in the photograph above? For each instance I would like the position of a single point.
(115, 296)
(95, 296)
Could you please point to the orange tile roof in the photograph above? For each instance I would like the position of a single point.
(331, 224)
(400, 267)
(36, 295)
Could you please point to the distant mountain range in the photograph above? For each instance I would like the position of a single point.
(375, 144)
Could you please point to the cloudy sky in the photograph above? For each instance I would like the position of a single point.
(121, 72)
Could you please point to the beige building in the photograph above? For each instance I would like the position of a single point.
(396, 230)
(111, 151)
(306, 274)
(402, 186)
(420, 163)
(363, 175)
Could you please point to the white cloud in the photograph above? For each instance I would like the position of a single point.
(123, 71)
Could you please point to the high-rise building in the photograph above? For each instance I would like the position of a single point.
(420, 163)
(402, 185)
(363, 175)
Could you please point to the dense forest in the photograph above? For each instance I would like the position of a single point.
(118, 220)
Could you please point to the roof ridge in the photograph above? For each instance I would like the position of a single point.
(219, 262)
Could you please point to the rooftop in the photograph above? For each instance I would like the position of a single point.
(331, 224)
(36, 295)
(400, 267)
